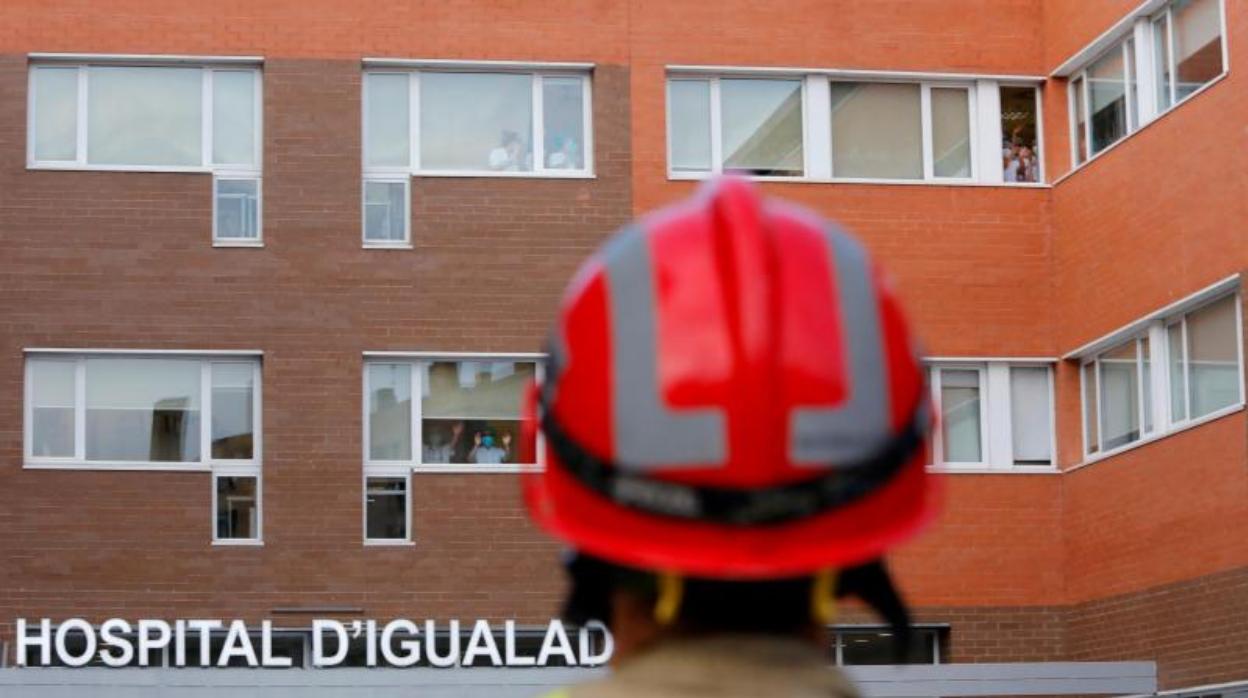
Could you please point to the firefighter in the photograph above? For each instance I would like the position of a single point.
(735, 427)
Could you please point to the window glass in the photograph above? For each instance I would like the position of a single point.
(386, 508)
(877, 130)
(144, 116)
(563, 123)
(471, 411)
(388, 130)
(237, 513)
(390, 411)
(689, 122)
(951, 132)
(1090, 410)
(1120, 396)
(142, 409)
(1107, 94)
(1081, 130)
(56, 114)
(1020, 152)
(762, 126)
(1197, 44)
(1178, 376)
(1213, 356)
(234, 117)
(52, 396)
(385, 211)
(1030, 415)
(959, 399)
(476, 122)
(238, 209)
(1161, 61)
(233, 416)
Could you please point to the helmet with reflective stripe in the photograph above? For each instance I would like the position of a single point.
(732, 392)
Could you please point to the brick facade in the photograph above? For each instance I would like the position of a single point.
(1100, 562)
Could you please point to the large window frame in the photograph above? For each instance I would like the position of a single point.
(250, 468)
(391, 174)
(1140, 38)
(983, 123)
(537, 132)
(996, 419)
(1157, 417)
(221, 172)
(408, 469)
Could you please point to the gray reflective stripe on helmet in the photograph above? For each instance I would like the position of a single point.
(647, 433)
(858, 427)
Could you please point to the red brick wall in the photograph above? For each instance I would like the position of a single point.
(99, 260)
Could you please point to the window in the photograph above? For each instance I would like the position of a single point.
(156, 118)
(877, 131)
(1177, 369)
(1190, 32)
(1020, 134)
(447, 412)
(479, 123)
(161, 412)
(747, 125)
(993, 414)
(874, 646)
(385, 212)
(466, 123)
(962, 430)
(386, 511)
(901, 131)
(1208, 359)
(820, 127)
(439, 414)
(1180, 50)
(1100, 96)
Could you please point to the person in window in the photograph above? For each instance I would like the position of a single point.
(510, 155)
(565, 155)
(443, 443)
(485, 451)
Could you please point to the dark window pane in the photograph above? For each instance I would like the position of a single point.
(237, 514)
(386, 502)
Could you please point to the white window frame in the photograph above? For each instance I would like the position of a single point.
(205, 462)
(1166, 16)
(1140, 27)
(717, 119)
(206, 165)
(243, 472)
(406, 242)
(404, 473)
(537, 134)
(995, 415)
(984, 122)
(386, 468)
(1129, 72)
(938, 436)
(1154, 327)
(1142, 418)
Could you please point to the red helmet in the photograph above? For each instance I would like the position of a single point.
(732, 392)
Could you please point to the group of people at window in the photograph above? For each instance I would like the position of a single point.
(466, 441)
(1020, 157)
(513, 154)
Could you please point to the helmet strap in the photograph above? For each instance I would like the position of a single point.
(671, 588)
(823, 597)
